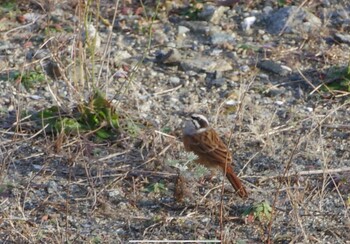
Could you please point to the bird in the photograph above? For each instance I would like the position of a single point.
(201, 139)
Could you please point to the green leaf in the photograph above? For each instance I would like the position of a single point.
(103, 134)
(69, 125)
(158, 187)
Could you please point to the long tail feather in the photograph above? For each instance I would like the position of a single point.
(236, 183)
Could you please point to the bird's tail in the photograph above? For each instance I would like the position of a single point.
(236, 182)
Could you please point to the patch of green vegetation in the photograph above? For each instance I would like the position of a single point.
(132, 128)
(166, 130)
(282, 3)
(51, 29)
(29, 78)
(47, 116)
(96, 240)
(97, 117)
(7, 6)
(98, 111)
(157, 187)
(192, 11)
(247, 47)
(340, 79)
(261, 211)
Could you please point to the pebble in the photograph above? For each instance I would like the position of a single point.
(248, 22)
(182, 30)
(174, 80)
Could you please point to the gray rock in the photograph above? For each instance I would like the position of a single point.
(218, 38)
(200, 27)
(343, 38)
(171, 57)
(212, 13)
(160, 37)
(52, 187)
(271, 66)
(174, 80)
(216, 82)
(292, 20)
(4, 45)
(267, 10)
(182, 30)
(205, 64)
(244, 68)
(120, 56)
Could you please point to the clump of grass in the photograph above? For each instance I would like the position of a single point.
(192, 11)
(339, 78)
(97, 116)
(29, 78)
(157, 188)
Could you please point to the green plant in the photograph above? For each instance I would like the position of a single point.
(97, 116)
(340, 79)
(7, 6)
(192, 11)
(157, 187)
(261, 211)
(29, 78)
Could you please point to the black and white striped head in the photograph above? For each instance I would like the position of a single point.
(196, 124)
(199, 121)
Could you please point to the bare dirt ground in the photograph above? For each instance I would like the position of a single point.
(157, 61)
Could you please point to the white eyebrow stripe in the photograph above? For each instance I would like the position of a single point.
(196, 123)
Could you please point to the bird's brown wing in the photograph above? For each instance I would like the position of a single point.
(211, 147)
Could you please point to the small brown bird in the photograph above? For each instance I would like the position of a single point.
(200, 138)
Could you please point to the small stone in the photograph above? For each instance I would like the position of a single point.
(212, 13)
(120, 55)
(279, 103)
(172, 57)
(181, 30)
(244, 68)
(174, 80)
(342, 38)
(52, 187)
(160, 37)
(267, 10)
(216, 82)
(35, 97)
(271, 66)
(218, 38)
(114, 193)
(37, 167)
(248, 22)
(309, 109)
(199, 27)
